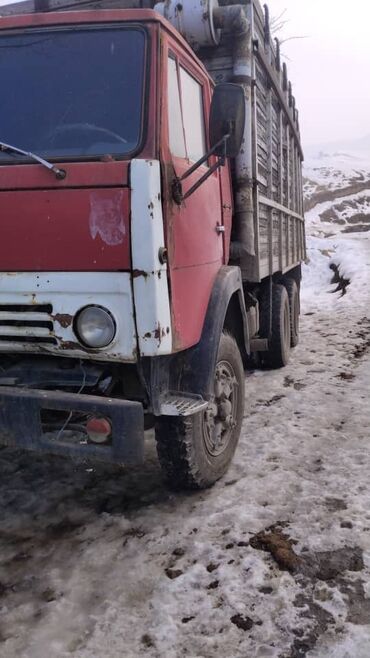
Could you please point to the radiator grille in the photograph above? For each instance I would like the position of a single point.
(27, 323)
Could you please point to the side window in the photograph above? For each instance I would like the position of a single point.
(193, 115)
(176, 132)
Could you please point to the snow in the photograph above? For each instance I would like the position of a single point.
(335, 170)
(86, 553)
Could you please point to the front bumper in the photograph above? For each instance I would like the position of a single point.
(21, 426)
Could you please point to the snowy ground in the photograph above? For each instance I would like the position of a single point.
(326, 171)
(99, 563)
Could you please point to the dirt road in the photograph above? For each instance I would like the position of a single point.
(100, 563)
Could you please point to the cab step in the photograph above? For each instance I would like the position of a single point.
(182, 404)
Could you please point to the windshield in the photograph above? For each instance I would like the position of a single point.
(72, 93)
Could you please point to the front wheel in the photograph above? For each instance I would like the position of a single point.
(195, 451)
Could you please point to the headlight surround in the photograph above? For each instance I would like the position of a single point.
(95, 327)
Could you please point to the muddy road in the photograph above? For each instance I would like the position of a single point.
(274, 561)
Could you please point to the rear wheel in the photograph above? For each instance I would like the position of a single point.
(293, 295)
(195, 451)
(275, 312)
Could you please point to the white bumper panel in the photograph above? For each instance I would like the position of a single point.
(37, 311)
(152, 304)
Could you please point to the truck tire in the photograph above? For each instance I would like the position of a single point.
(195, 451)
(293, 295)
(277, 356)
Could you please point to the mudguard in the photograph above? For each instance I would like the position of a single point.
(198, 371)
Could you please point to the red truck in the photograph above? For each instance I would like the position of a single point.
(152, 227)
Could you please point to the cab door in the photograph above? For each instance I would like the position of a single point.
(194, 229)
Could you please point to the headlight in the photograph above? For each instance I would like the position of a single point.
(95, 326)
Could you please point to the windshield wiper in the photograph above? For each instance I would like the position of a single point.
(59, 173)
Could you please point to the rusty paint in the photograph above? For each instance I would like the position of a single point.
(64, 319)
(137, 273)
(70, 345)
(159, 333)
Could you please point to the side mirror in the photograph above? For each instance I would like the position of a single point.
(227, 117)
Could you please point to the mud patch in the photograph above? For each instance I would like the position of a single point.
(364, 334)
(335, 504)
(320, 621)
(289, 381)
(328, 565)
(280, 546)
(346, 376)
(311, 568)
(269, 403)
(341, 281)
(323, 565)
(358, 604)
(185, 620)
(173, 573)
(244, 623)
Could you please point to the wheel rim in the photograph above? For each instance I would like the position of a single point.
(220, 417)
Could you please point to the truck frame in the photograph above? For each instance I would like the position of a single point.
(152, 227)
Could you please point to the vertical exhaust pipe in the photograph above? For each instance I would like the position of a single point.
(233, 20)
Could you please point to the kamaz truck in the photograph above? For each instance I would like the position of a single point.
(152, 227)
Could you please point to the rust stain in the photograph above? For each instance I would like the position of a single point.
(159, 333)
(70, 345)
(64, 319)
(137, 273)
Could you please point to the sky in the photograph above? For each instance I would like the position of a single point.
(329, 68)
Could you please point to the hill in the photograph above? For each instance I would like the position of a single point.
(337, 187)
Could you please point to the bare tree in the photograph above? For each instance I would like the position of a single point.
(277, 25)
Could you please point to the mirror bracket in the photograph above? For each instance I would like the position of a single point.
(177, 193)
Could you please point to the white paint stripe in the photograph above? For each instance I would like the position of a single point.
(151, 295)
